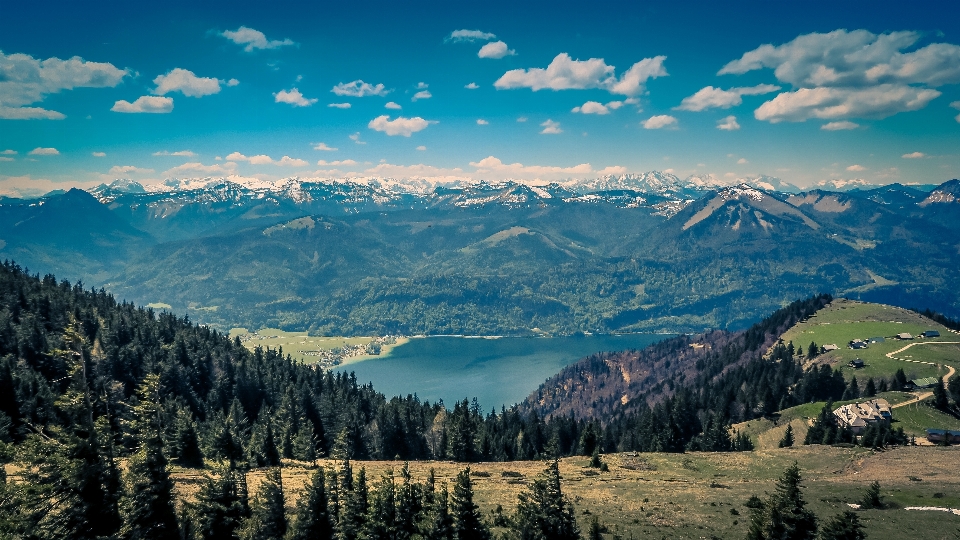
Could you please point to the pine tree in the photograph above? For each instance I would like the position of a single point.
(784, 516)
(870, 390)
(940, 398)
(219, 509)
(313, 511)
(845, 526)
(543, 513)
(872, 498)
(438, 523)
(381, 523)
(353, 504)
(787, 440)
(467, 520)
(267, 519)
(408, 503)
(147, 502)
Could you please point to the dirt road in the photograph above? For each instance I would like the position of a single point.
(925, 395)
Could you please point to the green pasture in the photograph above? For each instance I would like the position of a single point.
(844, 320)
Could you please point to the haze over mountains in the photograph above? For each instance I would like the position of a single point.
(644, 252)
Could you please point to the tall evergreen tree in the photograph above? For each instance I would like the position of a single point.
(467, 521)
(147, 502)
(438, 524)
(267, 520)
(381, 522)
(787, 440)
(313, 511)
(543, 512)
(219, 509)
(784, 516)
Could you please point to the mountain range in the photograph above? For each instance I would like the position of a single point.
(644, 252)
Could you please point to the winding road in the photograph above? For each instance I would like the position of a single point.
(925, 395)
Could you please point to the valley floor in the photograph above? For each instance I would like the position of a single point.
(702, 495)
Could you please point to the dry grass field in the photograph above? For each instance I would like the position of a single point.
(702, 495)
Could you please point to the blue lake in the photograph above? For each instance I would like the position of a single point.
(500, 371)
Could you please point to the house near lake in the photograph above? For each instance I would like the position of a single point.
(858, 416)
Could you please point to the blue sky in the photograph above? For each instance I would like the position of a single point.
(807, 91)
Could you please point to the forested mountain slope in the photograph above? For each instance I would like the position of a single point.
(495, 259)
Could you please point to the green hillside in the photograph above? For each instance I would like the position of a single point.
(844, 320)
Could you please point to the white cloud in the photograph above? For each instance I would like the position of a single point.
(495, 50)
(356, 138)
(5, 158)
(421, 85)
(472, 86)
(854, 58)
(522, 119)
(613, 169)
(262, 159)
(293, 97)
(393, 105)
(196, 168)
(25, 80)
(39, 151)
(659, 121)
(144, 104)
(127, 169)
(401, 126)
(492, 165)
(838, 126)
(185, 82)
(914, 155)
(614, 105)
(482, 122)
(27, 186)
(856, 168)
(633, 81)
(469, 35)
(421, 148)
(956, 105)
(830, 103)
(233, 82)
(323, 147)
(254, 39)
(593, 107)
(551, 128)
(359, 88)
(742, 161)
(728, 123)
(98, 154)
(565, 73)
(29, 113)
(423, 94)
(710, 97)
(851, 74)
(339, 105)
(180, 153)
(345, 162)
(9, 152)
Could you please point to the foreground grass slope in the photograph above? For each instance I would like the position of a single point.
(701, 495)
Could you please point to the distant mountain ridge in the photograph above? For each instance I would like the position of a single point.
(644, 253)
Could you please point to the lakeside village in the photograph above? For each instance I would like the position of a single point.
(325, 358)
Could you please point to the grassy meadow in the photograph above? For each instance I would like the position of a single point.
(702, 495)
(844, 320)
